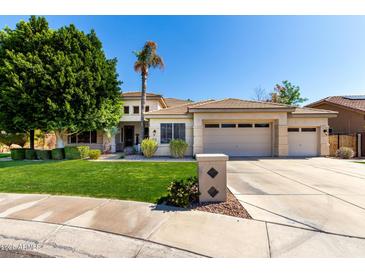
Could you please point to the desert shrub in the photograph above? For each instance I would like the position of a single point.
(94, 154)
(149, 147)
(58, 154)
(43, 154)
(30, 154)
(345, 153)
(18, 154)
(183, 192)
(79, 152)
(178, 148)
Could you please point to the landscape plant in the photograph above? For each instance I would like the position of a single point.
(178, 148)
(149, 147)
(345, 153)
(183, 192)
(94, 154)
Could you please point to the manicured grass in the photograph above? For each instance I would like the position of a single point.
(139, 181)
(4, 155)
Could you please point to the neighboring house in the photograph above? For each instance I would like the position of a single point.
(231, 126)
(351, 113)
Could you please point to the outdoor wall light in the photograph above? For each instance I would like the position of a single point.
(154, 133)
(325, 131)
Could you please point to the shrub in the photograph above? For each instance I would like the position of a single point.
(79, 152)
(30, 154)
(345, 153)
(18, 154)
(183, 192)
(43, 154)
(149, 147)
(94, 154)
(178, 148)
(58, 154)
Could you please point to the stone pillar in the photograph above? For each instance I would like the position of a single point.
(212, 177)
(324, 143)
(197, 135)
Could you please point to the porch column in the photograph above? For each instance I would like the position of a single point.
(113, 146)
(197, 135)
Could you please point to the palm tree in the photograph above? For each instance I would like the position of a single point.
(146, 58)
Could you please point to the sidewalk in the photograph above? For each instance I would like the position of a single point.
(88, 227)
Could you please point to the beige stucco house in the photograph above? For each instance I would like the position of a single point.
(231, 126)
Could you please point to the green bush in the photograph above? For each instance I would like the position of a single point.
(30, 154)
(18, 153)
(58, 154)
(183, 192)
(43, 154)
(79, 152)
(94, 154)
(149, 147)
(345, 153)
(178, 148)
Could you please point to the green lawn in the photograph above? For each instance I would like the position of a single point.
(139, 181)
(4, 155)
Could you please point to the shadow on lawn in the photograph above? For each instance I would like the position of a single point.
(20, 163)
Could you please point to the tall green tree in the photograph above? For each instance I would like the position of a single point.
(146, 58)
(21, 75)
(65, 84)
(287, 93)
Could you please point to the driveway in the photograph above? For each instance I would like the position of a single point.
(312, 207)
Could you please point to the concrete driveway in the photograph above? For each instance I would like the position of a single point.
(312, 207)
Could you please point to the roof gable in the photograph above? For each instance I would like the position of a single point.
(354, 103)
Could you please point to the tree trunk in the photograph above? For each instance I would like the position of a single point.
(59, 139)
(31, 139)
(143, 102)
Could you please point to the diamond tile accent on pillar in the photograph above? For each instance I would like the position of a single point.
(212, 172)
(213, 191)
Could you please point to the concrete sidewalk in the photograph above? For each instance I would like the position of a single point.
(88, 227)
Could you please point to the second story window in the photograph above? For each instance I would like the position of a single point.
(126, 109)
(136, 110)
(147, 108)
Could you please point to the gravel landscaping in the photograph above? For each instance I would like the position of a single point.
(231, 207)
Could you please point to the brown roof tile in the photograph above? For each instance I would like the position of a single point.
(138, 94)
(177, 110)
(172, 102)
(354, 104)
(306, 110)
(231, 103)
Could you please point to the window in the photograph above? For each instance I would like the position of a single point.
(293, 129)
(147, 108)
(179, 131)
(228, 125)
(87, 137)
(312, 129)
(245, 125)
(262, 125)
(172, 131)
(211, 125)
(136, 110)
(166, 133)
(126, 109)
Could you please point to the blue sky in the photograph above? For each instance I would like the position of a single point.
(229, 56)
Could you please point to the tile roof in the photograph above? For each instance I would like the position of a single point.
(344, 101)
(172, 102)
(231, 103)
(177, 110)
(138, 94)
(306, 110)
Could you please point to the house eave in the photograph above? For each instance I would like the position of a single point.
(312, 115)
(167, 116)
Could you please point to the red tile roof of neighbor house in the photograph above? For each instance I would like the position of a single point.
(353, 102)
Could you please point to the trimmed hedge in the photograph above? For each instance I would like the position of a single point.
(79, 152)
(30, 154)
(17, 154)
(94, 154)
(58, 154)
(43, 154)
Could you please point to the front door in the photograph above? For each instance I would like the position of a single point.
(128, 135)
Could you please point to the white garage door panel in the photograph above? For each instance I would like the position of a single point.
(303, 143)
(238, 141)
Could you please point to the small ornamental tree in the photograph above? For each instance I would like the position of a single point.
(287, 93)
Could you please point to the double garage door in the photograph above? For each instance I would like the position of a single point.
(255, 139)
(238, 139)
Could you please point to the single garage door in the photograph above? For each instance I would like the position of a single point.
(303, 141)
(238, 139)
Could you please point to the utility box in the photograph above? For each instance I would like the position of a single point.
(212, 177)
